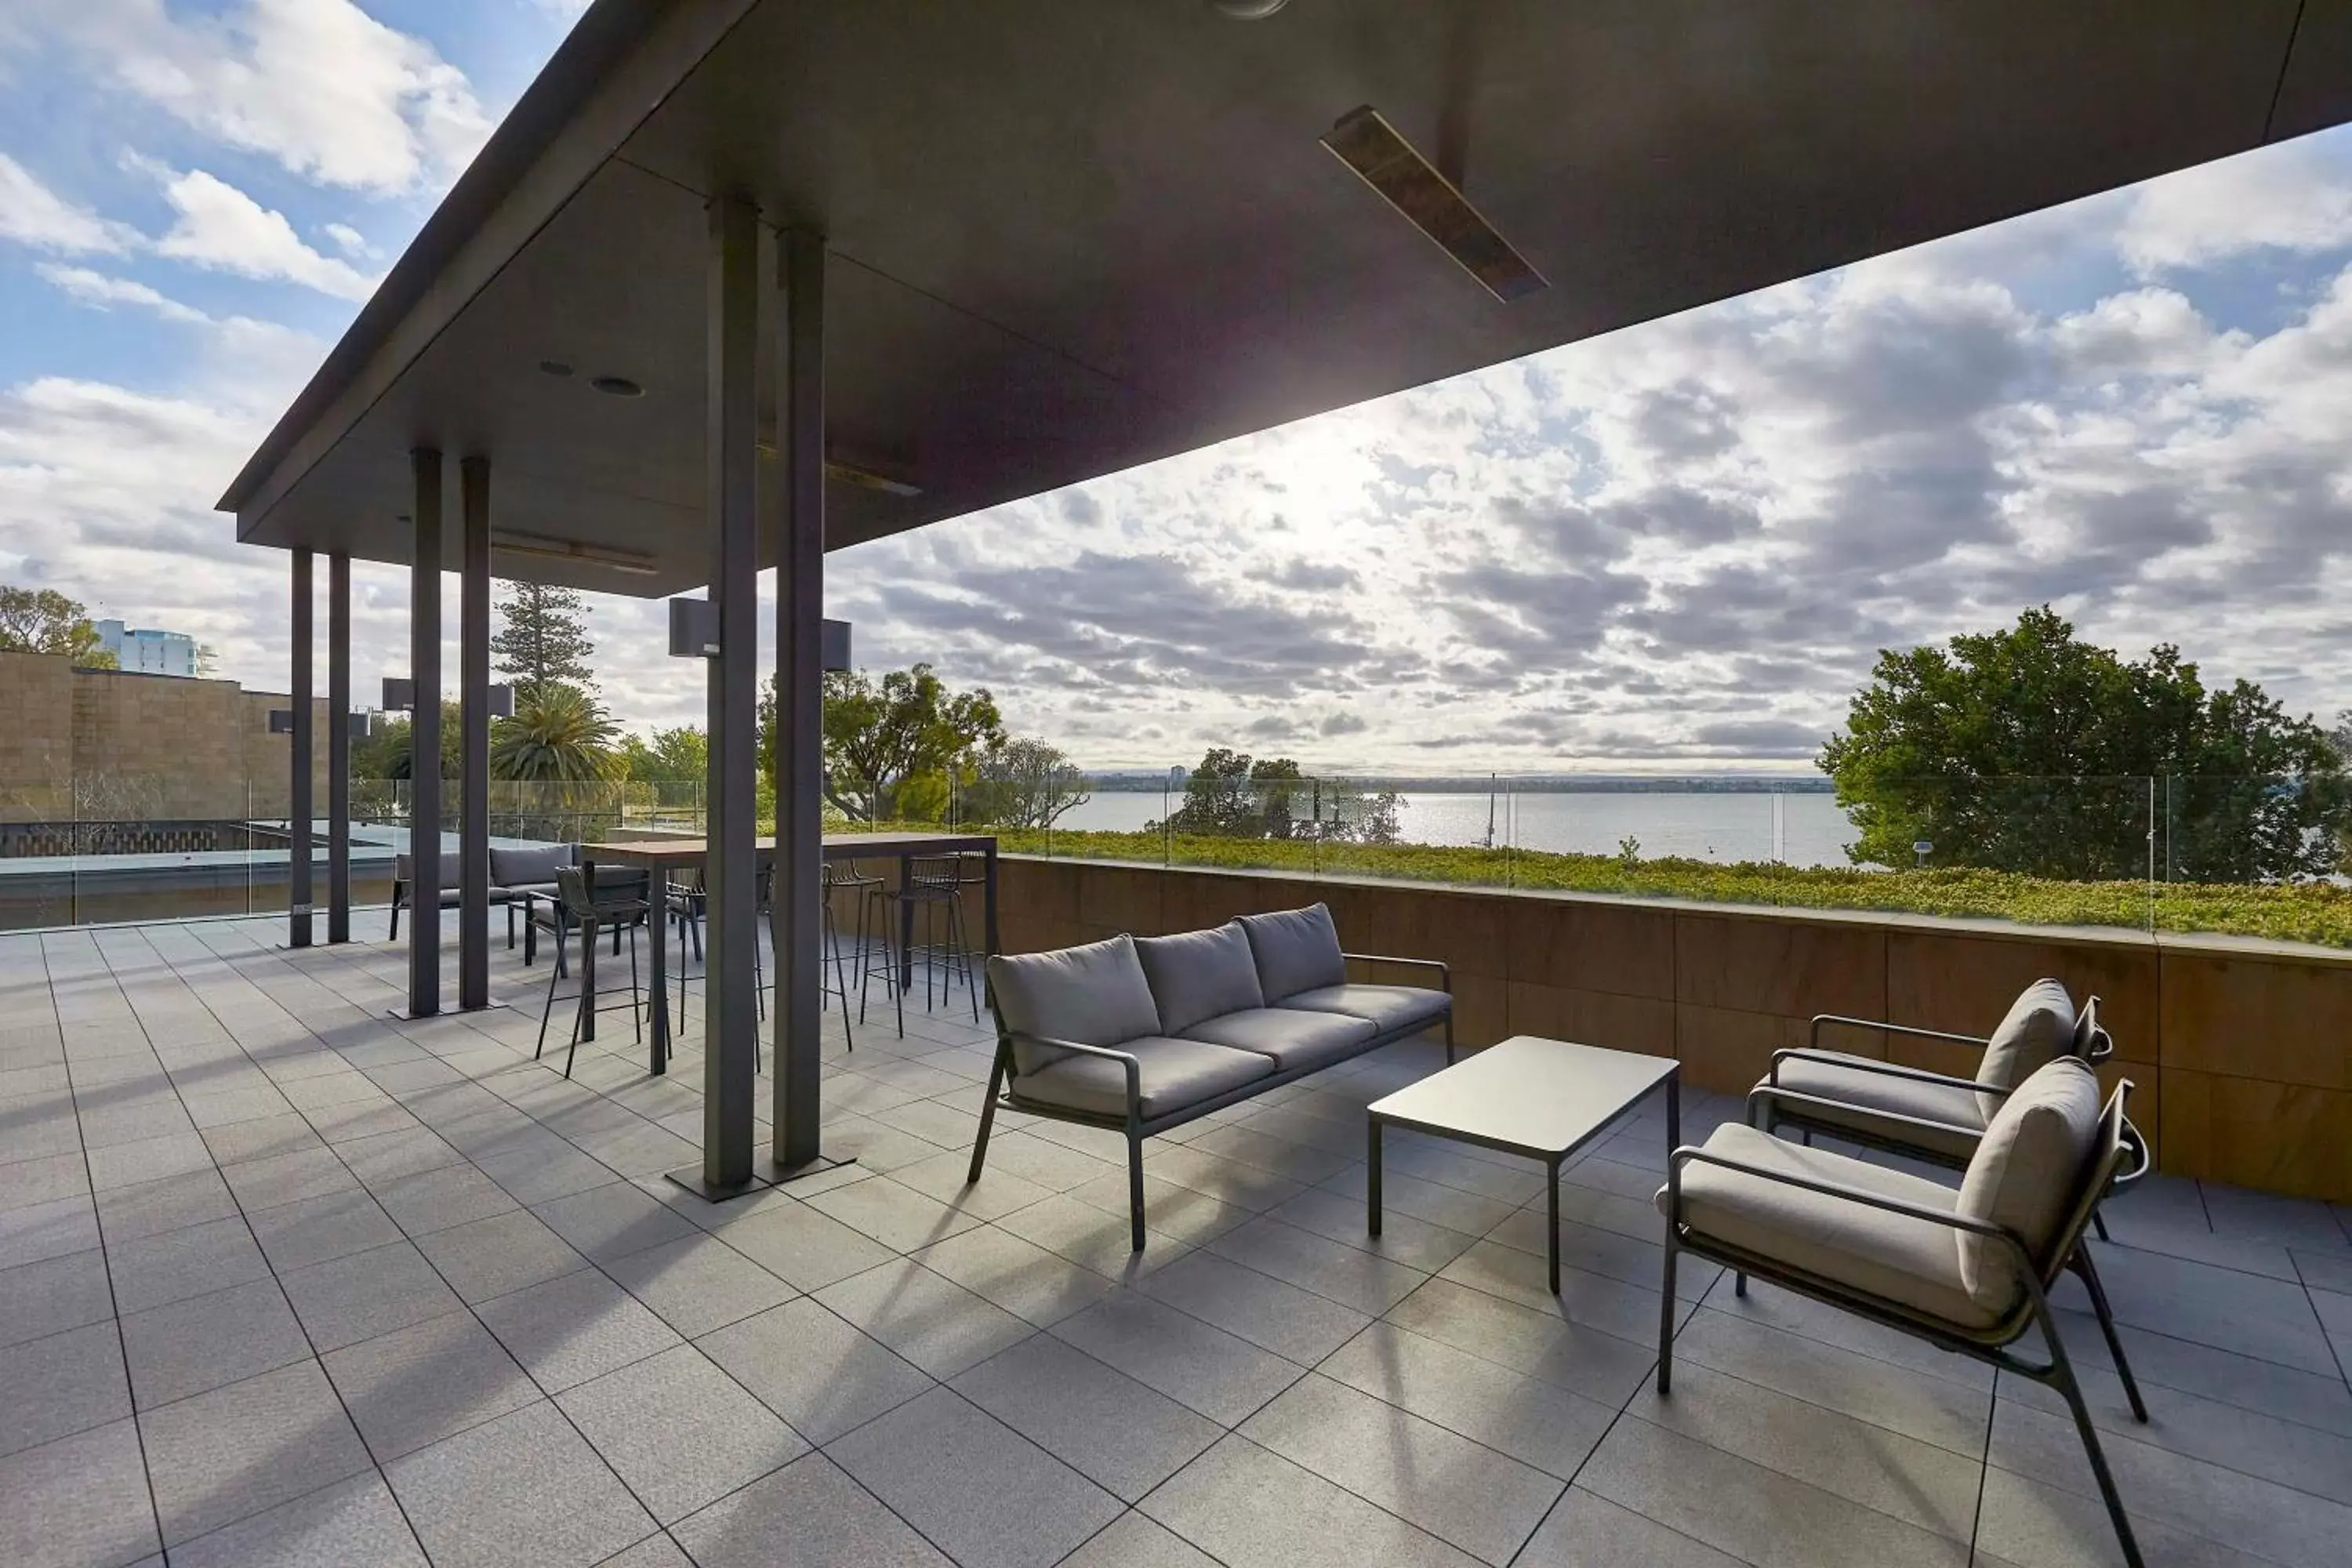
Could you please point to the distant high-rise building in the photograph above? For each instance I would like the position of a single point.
(148, 650)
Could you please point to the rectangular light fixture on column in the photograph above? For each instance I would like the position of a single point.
(399, 694)
(693, 628)
(1410, 183)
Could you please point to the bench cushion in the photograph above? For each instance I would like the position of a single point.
(1095, 995)
(1296, 950)
(1174, 1074)
(1391, 1009)
(1861, 1091)
(2028, 1174)
(533, 867)
(1200, 975)
(2038, 1029)
(1291, 1038)
(1914, 1261)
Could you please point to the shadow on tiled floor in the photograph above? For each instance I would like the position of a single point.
(284, 1280)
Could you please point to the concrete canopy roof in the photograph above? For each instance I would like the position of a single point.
(1074, 236)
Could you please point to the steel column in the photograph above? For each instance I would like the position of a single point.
(339, 747)
(303, 762)
(424, 738)
(474, 722)
(800, 707)
(731, 878)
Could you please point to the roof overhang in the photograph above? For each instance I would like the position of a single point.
(1073, 235)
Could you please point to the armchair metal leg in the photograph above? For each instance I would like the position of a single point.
(1135, 1186)
(1449, 1037)
(987, 1107)
(2081, 1263)
(2062, 1377)
(2099, 1224)
(1666, 1323)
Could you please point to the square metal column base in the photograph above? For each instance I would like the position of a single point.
(692, 1179)
(780, 1173)
(495, 1004)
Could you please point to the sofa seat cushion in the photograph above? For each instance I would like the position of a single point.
(1389, 1009)
(1095, 994)
(1861, 1091)
(1174, 1074)
(1296, 949)
(1200, 975)
(1292, 1039)
(1914, 1261)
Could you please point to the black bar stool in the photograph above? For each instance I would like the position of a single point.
(618, 904)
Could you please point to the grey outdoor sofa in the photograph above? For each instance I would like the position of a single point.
(1143, 1034)
(516, 875)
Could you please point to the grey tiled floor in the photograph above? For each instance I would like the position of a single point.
(284, 1280)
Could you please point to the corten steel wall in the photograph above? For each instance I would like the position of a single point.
(108, 744)
(2241, 1052)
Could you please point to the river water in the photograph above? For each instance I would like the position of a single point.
(1801, 828)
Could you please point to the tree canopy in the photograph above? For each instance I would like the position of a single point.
(42, 620)
(542, 638)
(896, 747)
(1232, 795)
(558, 735)
(2028, 749)
(1024, 782)
(671, 756)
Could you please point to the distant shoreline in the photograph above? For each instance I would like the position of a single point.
(1598, 783)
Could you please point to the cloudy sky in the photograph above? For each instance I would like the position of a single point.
(1675, 547)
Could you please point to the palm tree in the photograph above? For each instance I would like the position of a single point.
(560, 742)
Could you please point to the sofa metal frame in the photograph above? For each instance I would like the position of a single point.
(2119, 1140)
(1003, 1085)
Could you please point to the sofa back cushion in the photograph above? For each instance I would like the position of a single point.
(403, 868)
(2026, 1176)
(1200, 975)
(1091, 995)
(1296, 950)
(530, 868)
(2038, 1030)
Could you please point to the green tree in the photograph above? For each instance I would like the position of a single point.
(542, 638)
(893, 747)
(42, 620)
(558, 736)
(1024, 782)
(386, 753)
(2028, 749)
(670, 756)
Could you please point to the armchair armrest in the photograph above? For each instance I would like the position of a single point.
(1779, 1096)
(1127, 1060)
(1884, 1070)
(1444, 974)
(1910, 1029)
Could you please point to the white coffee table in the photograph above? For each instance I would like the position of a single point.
(1543, 1099)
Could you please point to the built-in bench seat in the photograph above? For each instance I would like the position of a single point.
(1143, 1034)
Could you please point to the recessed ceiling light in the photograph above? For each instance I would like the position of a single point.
(1385, 161)
(617, 387)
(554, 367)
(1247, 10)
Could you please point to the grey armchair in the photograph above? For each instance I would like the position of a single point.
(1969, 1271)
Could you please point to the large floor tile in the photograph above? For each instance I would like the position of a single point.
(575, 1328)
(986, 1495)
(207, 1340)
(1297, 1324)
(2027, 1523)
(352, 1522)
(1249, 1508)
(236, 1451)
(288, 1177)
(485, 1258)
(897, 1216)
(416, 1385)
(1200, 1367)
(613, 1221)
(318, 1230)
(41, 1180)
(79, 1501)
(679, 1431)
(37, 1300)
(1119, 1434)
(1529, 1341)
(699, 1283)
(1950, 1415)
(363, 1294)
(1615, 1306)
(1587, 1531)
(437, 1199)
(1136, 1541)
(806, 1250)
(1093, 1238)
(819, 1374)
(1342, 1216)
(52, 1229)
(178, 1263)
(2269, 1320)
(1345, 1274)
(808, 1512)
(126, 1214)
(1532, 1421)
(931, 1322)
(1473, 1496)
(54, 1387)
(1033, 1284)
(525, 1488)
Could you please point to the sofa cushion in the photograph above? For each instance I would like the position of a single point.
(1292, 1039)
(404, 868)
(2027, 1175)
(1915, 1261)
(2038, 1029)
(1198, 975)
(533, 867)
(1860, 1091)
(1173, 1073)
(1391, 1009)
(1095, 994)
(1296, 950)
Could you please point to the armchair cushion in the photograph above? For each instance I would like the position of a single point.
(1200, 975)
(1173, 1074)
(1913, 1261)
(2027, 1175)
(1391, 1009)
(1095, 995)
(2039, 1028)
(533, 868)
(1296, 949)
(1291, 1038)
(1859, 1091)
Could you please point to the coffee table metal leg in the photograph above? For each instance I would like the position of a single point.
(1551, 1236)
(1372, 1179)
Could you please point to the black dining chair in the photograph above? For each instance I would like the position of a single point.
(617, 903)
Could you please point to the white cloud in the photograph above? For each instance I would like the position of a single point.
(328, 91)
(31, 213)
(98, 289)
(220, 226)
(348, 240)
(2294, 197)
